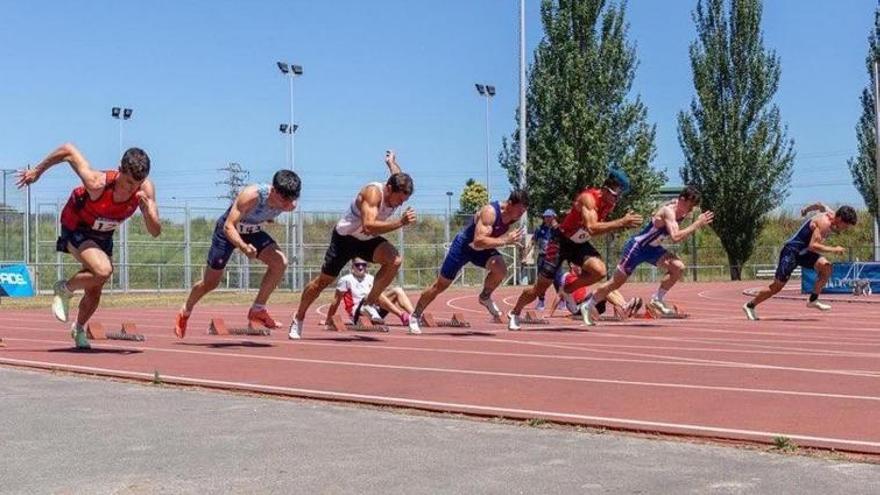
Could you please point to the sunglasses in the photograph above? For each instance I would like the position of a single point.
(360, 265)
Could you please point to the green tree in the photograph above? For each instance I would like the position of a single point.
(473, 197)
(735, 148)
(581, 117)
(863, 166)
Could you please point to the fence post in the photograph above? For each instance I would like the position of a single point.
(301, 253)
(26, 238)
(694, 256)
(401, 277)
(291, 258)
(187, 246)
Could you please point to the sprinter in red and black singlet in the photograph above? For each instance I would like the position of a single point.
(88, 220)
(571, 241)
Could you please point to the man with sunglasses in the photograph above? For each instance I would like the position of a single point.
(358, 234)
(351, 290)
(477, 243)
(241, 227)
(571, 241)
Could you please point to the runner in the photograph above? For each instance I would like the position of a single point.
(805, 249)
(539, 240)
(571, 241)
(88, 220)
(645, 247)
(359, 234)
(623, 309)
(241, 227)
(351, 289)
(488, 229)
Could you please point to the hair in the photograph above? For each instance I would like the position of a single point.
(135, 163)
(691, 193)
(402, 183)
(519, 197)
(847, 215)
(287, 183)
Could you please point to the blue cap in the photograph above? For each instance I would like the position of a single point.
(549, 213)
(620, 176)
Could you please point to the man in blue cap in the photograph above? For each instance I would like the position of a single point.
(540, 239)
(571, 240)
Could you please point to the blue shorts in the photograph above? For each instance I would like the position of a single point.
(460, 254)
(790, 258)
(634, 255)
(222, 248)
(77, 237)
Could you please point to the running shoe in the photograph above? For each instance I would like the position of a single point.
(295, 331)
(61, 300)
(261, 316)
(489, 304)
(751, 314)
(80, 337)
(180, 325)
(413, 324)
(513, 322)
(660, 306)
(819, 305)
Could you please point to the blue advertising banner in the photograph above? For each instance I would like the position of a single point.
(843, 278)
(15, 281)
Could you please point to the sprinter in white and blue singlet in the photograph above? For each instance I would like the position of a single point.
(478, 244)
(805, 249)
(241, 227)
(359, 234)
(647, 247)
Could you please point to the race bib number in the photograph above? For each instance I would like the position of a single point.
(105, 225)
(249, 228)
(580, 237)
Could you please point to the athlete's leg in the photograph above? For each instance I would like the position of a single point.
(823, 269)
(210, 280)
(387, 256)
(428, 295)
(605, 289)
(97, 270)
(531, 293)
(398, 297)
(674, 268)
(276, 265)
(592, 270)
(496, 270)
(311, 292)
(767, 293)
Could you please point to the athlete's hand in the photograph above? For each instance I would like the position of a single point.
(705, 218)
(249, 250)
(631, 219)
(27, 177)
(408, 217)
(142, 198)
(514, 236)
(838, 250)
(390, 157)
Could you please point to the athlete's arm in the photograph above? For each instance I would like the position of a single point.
(337, 299)
(391, 161)
(147, 198)
(370, 200)
(821, 207)
(93, 180)
(820, 225)
(677, 234)
(483, 231)
(591, 218)
(246, 201)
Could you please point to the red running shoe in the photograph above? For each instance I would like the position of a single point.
(180, 325)
(262, 317)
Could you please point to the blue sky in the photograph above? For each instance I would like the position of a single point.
(202, 80)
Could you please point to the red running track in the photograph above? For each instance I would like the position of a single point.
(813, 377)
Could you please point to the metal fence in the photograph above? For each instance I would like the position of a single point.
(175, 260)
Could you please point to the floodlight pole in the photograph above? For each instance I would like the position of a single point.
(877, 159)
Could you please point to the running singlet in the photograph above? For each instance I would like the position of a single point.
(572, 226)
(352, 224)
(651, 235)
(101, 215)
(499, 228)
(801, 238)
(252, 221)
(354, 291)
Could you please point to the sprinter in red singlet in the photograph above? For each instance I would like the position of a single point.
(571, 241)
(88, 220)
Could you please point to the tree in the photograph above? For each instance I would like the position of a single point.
(580, 115)
(473, 197)
(863, 166)
(735, 149)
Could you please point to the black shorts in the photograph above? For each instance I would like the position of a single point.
(344, 248)
(561, 249)
(222, 247)
(790, 258)
(77, 237)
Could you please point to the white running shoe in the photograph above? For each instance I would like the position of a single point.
(660, 306)
(296, 328)
(61, 301)
(489, 304)
(586, 310)
(513, 322)
(819, 305)
(414, 328)
(751, 314)
(372, 312)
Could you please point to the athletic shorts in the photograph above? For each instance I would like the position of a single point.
(77, 237)
(222, 247)
(790, 258)
(635, 254)
(460, 254)
(561, 249)
(344, 248)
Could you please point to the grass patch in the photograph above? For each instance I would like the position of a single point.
(157, 380)
(784, 444)
(537, 422)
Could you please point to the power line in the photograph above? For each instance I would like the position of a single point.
(236, 178)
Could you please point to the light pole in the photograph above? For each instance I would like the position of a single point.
(448, 214)
(488, 92)
(290, 71)
(877, 160)
(288, 130)
(122, 114)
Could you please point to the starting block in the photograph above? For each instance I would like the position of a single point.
(530, 318)
(677, 313)
(364, 324)
(218, 327)
(2, 344)
(457, 321)
(95, 331)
